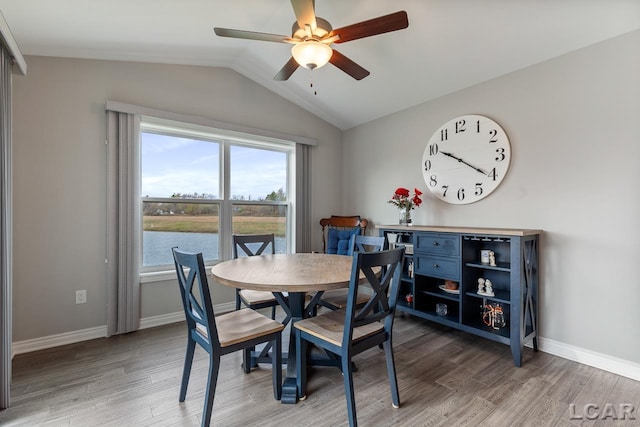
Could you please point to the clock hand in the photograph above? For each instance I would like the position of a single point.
(462, 161)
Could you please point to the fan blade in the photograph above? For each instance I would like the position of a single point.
(287, 70)
(383, 24)
(305, 13)
(348, 66)
(252, 35)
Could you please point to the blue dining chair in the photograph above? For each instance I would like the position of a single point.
(254, 245)
(337, 298)
(350, 331)
(219, 335)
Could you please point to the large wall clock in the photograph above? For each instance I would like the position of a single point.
(466, 159)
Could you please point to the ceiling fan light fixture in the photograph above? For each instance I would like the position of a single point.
(311, 54)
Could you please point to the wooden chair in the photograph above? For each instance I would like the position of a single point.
(253, 245)
(220, 335)
(347, 332)
(336, 239)
(337, 299)
(337, 230)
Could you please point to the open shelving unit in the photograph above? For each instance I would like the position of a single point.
(442, 254)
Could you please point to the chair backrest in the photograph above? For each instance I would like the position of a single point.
(359, 243)
(253, 244)
(337, 230)
(196, 298)
(382, 270)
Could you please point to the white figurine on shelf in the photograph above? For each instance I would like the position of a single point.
(480, 285)
(492, 259)
(488, 288)
(485, 287)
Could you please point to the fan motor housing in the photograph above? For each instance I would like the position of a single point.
(323, 28)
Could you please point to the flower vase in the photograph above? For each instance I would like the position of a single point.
(405, 217)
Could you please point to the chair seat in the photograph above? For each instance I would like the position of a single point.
(330, 327)
(338, 297)
(242, 325)
(250, 297)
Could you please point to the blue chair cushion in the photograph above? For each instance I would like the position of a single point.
(339, 240)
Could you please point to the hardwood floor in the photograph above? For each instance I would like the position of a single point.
(446, 378)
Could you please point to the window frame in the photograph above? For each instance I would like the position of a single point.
(225, 140)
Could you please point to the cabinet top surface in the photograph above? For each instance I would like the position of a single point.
(469, 230)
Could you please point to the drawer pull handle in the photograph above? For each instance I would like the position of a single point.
(435, 243)
(436, 266)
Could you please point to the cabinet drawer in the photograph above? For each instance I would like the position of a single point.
(444, 268)
(438, 244)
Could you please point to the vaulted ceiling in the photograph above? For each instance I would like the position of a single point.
(449, 44)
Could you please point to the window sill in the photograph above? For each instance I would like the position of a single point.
(157, 276)
(165, 275)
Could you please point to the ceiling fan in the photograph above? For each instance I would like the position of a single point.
(312, 37)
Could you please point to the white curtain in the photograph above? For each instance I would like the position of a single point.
(6, 274)
(123, 222)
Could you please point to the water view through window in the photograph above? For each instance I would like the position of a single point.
(181, 195)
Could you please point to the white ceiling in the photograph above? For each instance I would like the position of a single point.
(449, 45)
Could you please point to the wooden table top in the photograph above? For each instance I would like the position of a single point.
(286, 272)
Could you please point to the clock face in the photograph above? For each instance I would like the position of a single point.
(466, 159)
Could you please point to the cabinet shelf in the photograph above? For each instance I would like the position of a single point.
(502, 266)
(442, 294)
(449, 319)
(404, 303)
(501, 334)
(501, 296)
(406, 278)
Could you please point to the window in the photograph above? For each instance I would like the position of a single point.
(199, 186)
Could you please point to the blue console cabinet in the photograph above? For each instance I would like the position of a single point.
(438, 256)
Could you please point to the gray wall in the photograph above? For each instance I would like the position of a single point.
(574, 128)
(60, 175)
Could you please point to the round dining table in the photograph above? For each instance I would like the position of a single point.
(296, 275)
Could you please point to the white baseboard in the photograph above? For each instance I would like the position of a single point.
(163, 319)
(27, 346)
(65, 338)
(605, 362)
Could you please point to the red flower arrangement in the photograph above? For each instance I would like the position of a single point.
(402, 199)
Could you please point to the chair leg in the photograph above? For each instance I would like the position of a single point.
(273, 312)
(347, 374)
(276, 366)
(301, 365)
(391, 370)
(186, 371)
(214, 367)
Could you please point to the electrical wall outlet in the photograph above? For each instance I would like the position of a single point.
(81, 296)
